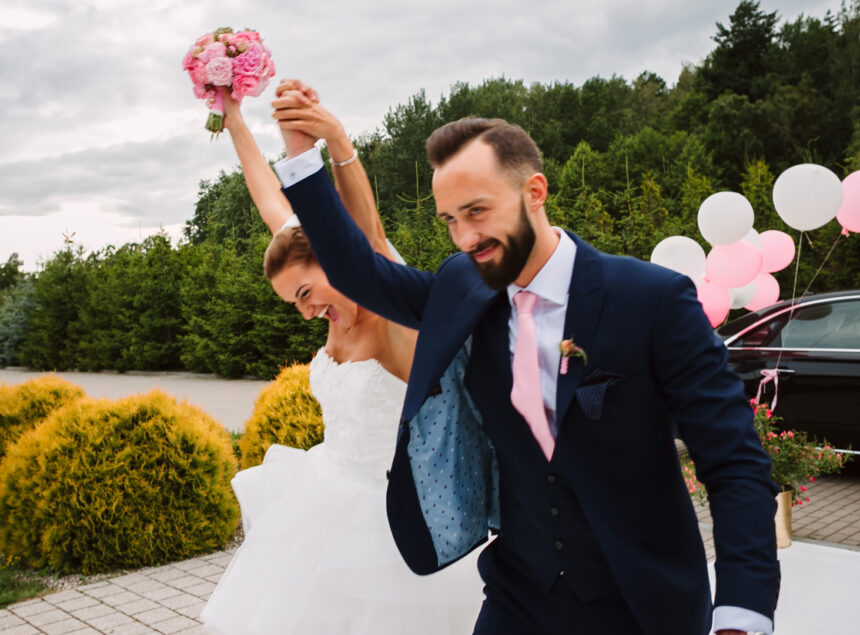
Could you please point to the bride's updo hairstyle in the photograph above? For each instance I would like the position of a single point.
(288, 246)
(515, 150)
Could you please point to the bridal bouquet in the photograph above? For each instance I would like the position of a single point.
(224, 60)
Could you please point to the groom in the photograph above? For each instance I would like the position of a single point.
(569, 459)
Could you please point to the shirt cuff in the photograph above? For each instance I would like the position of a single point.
(293, 170)
(741, 619)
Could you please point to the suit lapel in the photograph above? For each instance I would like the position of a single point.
(584, 305)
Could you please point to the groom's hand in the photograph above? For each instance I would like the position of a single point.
(292, 95)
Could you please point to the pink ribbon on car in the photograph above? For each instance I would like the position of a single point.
(768, 375)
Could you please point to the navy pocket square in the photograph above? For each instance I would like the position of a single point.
(592, 391)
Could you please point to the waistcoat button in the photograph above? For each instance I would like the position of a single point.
(553, 511)
(550, 478)
(559, 545)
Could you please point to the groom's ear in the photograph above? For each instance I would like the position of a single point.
(535, 191)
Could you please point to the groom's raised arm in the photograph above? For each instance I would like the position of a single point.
(394, 291)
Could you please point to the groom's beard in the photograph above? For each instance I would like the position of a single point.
(515, 254)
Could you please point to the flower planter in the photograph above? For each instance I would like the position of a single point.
(783, 519)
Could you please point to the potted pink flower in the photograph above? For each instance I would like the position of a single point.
(795, 461)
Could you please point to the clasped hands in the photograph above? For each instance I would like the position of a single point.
(303, 121)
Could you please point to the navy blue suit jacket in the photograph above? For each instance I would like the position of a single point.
(657, 368)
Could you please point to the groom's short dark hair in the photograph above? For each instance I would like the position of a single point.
(515, 150)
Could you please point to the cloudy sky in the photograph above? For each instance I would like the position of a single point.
(100, 133)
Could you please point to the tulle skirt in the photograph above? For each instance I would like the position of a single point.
(318, 557)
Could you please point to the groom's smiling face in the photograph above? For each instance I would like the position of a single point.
(484, 208)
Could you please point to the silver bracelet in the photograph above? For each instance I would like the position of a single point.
(340, 164)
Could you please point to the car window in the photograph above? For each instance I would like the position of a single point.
(835, 325)
(766, 334)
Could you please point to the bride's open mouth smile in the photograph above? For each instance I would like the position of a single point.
(328, 312)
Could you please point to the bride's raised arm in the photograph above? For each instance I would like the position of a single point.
(262, 182)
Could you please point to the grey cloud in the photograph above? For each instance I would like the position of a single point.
(99, 65)
(147, 181)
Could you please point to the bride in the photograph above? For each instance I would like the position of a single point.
(318, 556)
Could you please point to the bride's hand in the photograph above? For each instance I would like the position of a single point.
(305, 114)
(232, 112)
(291, 97)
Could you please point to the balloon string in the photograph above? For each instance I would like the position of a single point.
(793, 292)
(822, 264)
(768, 375)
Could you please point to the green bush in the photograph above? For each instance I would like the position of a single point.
(15, 302)
(101, 485)
(285, 413)
(24, 405)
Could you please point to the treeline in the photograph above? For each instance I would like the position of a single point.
(628, 162)
(153, 306)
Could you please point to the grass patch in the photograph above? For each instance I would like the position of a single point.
(18, 584)
(235, 437)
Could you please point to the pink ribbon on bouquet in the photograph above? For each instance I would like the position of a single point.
(768, 375)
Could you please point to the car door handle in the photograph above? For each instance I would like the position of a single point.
(788, 371)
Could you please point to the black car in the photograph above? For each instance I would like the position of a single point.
(814, 344)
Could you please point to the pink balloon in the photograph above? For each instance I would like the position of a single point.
(849, 214)
(734, 265)
(777, 250)
(715, 301)
(766, 292)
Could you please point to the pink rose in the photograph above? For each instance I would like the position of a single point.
(251, 35)
(250, 62)
(198, 75)
(201, 93)
(261, 87)
(189, 61)
(241, 43)
(269, 70)
(203, 40)
(219, 71)
(244, 85)
(211, 51)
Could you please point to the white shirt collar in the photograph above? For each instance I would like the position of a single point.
(552, 282)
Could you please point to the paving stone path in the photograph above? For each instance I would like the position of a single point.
(164, 599)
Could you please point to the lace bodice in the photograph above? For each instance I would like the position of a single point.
(361, 404)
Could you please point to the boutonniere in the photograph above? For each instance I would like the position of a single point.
(569, 349)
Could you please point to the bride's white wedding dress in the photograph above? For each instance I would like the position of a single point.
(318, 556)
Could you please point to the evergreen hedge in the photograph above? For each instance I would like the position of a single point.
(285, 413)
(101, 485)
(24, 405)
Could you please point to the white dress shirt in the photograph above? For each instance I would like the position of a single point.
(552, 286)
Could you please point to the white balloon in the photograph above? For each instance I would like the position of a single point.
(752, 237)
(807, 196)
(680, 254)
(741, 296)
(725, 218)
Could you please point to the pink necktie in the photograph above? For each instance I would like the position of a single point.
(526, 394)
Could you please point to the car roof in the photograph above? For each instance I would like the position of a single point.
(739, 324)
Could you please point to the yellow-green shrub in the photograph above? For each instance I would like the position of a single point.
(24, 405)
(101, 485)
(285, 413)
